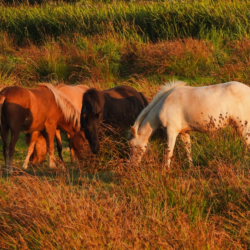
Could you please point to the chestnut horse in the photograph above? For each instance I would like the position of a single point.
(181, 109)
(31, 111)
(40, 148)
(120, 105)
(74, 94)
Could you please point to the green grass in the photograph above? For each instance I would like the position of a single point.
(137, 20)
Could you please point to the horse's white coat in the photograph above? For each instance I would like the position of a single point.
(181, 109)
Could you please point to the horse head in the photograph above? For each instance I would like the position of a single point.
(138, 145)
(91, 117)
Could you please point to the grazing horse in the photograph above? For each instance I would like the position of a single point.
(32, 111)
(78, 143)
(40, 148)
(74, 94)
(120, 105)
(181, 109)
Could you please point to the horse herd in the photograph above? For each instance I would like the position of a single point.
(43, 111)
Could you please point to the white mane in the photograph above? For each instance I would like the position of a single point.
(165, 88)
(69, 110)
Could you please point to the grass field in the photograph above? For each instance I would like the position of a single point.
(105, 202)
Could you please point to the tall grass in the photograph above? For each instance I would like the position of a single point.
(134, 207)
(154, 21)
(104, 202)
(112, 60)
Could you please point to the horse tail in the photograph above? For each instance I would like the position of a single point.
(2, 99)
(145, 101)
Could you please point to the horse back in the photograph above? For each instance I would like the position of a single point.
(28, 109)
(16, 95)
(124, 92)
(215, 105)
(44, 107)
(123, 104)
(15, 106)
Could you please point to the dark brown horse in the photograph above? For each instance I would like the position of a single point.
(117, 106)
(32, 111)
(74, 93)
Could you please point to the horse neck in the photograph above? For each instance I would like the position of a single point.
(69, 127)
(149, 125)
(92, 101)
(105, 103)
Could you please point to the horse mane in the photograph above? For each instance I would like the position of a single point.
(91, 95)
(69, 110)
(161, 93)
(59, 85)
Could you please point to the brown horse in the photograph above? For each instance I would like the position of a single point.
(74, 94)
(117, 106)
(40, 148)
(31, 111)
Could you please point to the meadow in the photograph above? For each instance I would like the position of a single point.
(105, 202)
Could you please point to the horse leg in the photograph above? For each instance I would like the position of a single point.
(185, 137)
(5, 134)
(13, 141)
(246, 136)
(72, 152)
(51, 133)
(31, 147)
(171, 143)
(59, 143)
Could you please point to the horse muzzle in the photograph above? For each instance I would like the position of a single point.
(95, 148)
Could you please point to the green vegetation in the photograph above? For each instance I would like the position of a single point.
(105, 202)
(146, 20)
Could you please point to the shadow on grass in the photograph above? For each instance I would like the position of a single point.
(70, 175)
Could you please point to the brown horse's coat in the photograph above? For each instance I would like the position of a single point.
(31, 111)
(117, 106)
(74, 94)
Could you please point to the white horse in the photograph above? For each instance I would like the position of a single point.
(181, 109)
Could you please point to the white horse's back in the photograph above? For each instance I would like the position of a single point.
(209, 107)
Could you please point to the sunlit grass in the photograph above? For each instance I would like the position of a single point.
(104, 202)
(143, 21)
(133, 205)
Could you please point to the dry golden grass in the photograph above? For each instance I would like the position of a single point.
(105, 202)
(126, 206)
(189, 57)
(141, 207)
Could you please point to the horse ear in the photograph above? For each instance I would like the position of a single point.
(133, 131)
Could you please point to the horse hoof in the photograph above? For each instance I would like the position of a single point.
(10, 171)
(52, 166)
(25, 167)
